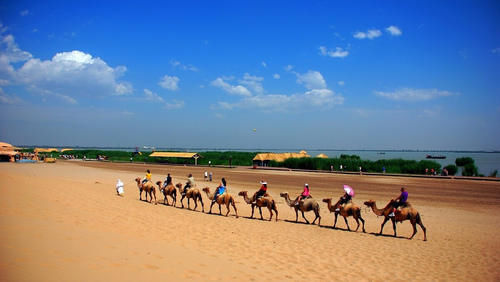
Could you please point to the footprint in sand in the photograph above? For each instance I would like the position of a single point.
(150, 266)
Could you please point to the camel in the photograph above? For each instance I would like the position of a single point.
(350, 209)
(192, 193)
(225, 199)
(266, 201)
(405, 213)
(148, 188)
(304, 206)
(169, 190)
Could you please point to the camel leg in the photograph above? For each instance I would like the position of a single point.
(306, 218)
(189, 203)
(253, 208)
(362, 221)
(346, 223)
(154, 194)
(335, 220)
(414, 225)
(357, 221)
(276, 211)
(140, 195)
(317, 217)
(195, 203)
(211, 208)
(296, 216)
(202, 206)
(423, 229)
(270, 213)
(394, 226)
(182, 203)
(260, 211)
(220, 209)
(234, 207)
(383, 223)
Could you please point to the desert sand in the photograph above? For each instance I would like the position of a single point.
(64, 222)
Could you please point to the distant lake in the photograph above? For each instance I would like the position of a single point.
(486, 162)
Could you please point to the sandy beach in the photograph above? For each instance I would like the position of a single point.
(64, 222)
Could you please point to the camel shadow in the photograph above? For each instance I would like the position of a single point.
(186, 208)
(256, 219)
(337, 228)
(298, 222)
(387, 235)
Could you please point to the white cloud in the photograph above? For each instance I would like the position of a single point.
(153, 97)
(8, 99)
(174, 105)
(311, 80)
(24, 13)
(253, 82)
(341, 83)
(169, 82)
(177, 64)
(496, 50)
(338, 53)
(264, 64)
(231, 89)
(66, 76)
(413, 95)
(73, 72)
(276, 76)
(394, 30)
(313, 99)
(288, 68)
(370, 34)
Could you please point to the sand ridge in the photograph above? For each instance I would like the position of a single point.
(63, 221)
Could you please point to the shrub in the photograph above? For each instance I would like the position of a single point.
(470, 170)
(494, 173)
(452, 169)
(464, 161)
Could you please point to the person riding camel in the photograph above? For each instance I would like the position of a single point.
(147, 177)
(221, 189)
(346, 198)
(399, 201)
(168, 180)
(261, 192)
(305, 194)
(189, 184)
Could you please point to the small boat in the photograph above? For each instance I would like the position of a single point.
(435, 157)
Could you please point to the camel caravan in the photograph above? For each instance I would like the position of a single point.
(397, 210)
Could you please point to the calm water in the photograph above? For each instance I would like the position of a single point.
(485, 161)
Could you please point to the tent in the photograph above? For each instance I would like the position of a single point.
(263, 159)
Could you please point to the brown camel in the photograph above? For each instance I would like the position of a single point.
(266, 201)
(148, 188)
(405, 213)
(225, 199)
(349, 209)
(192, 193)
(169, 190)
(304, 206)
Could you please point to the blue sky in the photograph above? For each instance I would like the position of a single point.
(303, 74)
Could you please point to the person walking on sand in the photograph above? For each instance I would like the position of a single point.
(189, 184)
(261, 192)
(210, 176)
(119, 188)
(399, 201)
(205, 175)
(305, 194)
(147, 177)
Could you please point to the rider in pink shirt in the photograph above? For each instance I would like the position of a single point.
(305, 194)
